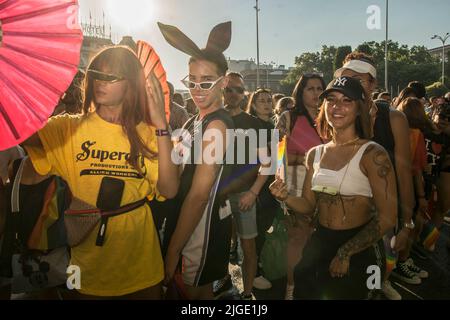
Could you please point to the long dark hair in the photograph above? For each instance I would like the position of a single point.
(415, 113)
(405, 93)
(252, 100)
(362, 122)
(122, 61)
(299, 107)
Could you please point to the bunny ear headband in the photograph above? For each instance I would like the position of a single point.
(219, 39)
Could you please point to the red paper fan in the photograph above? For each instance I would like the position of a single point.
(151, 63)
(39, 56)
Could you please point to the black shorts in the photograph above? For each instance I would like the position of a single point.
(312, 275)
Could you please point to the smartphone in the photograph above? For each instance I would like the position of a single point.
(110, 193)
(109, 198)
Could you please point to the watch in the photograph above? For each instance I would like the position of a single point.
(409, 225)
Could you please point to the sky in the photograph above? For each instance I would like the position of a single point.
(287, 28)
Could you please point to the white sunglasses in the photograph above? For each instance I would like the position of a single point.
(206, 85)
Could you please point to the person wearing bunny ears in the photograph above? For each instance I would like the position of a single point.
(202, 234)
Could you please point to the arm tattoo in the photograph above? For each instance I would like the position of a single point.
(383, 165)
(281, 125)
(370, 234)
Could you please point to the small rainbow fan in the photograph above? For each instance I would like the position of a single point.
(152, 63)
(429, 236)
(282, 160)
(391, 255)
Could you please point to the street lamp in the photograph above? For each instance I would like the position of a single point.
(443, 39)
(386, 48)
(257, 44)
(266, 66)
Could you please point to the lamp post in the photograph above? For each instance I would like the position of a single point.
(443, 39)
(266, 66)
(386, 49)
(257, 44)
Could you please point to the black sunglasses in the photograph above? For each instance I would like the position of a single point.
(238, 90)
(102, 76)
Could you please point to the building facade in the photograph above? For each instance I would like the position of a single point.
(270, 76)
(437, 52)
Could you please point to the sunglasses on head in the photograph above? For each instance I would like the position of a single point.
(313, 74)
(238, 90)
(206, 85)
(103, 76)
(268, 100)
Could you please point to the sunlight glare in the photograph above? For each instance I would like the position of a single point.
(131, 15)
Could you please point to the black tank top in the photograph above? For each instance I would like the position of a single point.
(189, 168)
(383, 130)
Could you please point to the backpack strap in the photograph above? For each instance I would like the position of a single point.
(16, 186)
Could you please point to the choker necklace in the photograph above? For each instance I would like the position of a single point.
(346, 143)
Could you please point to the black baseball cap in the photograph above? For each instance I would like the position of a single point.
(349, 87)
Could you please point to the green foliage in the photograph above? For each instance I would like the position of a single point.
(341, 53)
(436, 89)
(405, 64)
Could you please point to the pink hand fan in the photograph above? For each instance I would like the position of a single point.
(40, 43)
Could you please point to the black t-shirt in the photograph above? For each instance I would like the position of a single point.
(245, 166)
(436, 145)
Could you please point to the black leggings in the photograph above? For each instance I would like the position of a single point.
(312, 275)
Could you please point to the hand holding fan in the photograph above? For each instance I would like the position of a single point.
(152, 65)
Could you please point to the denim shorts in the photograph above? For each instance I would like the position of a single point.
(246, 227)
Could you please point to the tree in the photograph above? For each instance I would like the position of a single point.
(365, 47)
(341, 53)
(404, 64)
(420, 54)
(326, 62)
(305, 63)
(436, 89)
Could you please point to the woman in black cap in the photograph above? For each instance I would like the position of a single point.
(346, 178)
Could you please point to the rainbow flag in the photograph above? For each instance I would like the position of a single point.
(429, 235)
(282, 159)
(391, 260)
(391, 255)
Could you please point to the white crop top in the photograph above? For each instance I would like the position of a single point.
(351, 181)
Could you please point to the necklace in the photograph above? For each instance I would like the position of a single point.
(346, 143)
(344, 217)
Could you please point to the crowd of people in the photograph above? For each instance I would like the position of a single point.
(366, 181)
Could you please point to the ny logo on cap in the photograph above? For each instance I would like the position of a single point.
(340, 82)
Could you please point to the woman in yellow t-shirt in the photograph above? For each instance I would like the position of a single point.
(111, 155)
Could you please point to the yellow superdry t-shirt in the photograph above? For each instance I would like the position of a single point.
(83, 150)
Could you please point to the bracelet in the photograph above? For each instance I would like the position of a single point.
(162, 132)
(341, 255)
(251, 191)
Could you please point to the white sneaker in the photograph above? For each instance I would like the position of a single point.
(261, 283)
(289, 292)
(389, 292)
